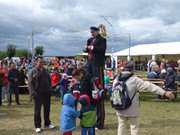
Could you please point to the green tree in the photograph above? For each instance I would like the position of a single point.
(39, 50)
(23, 53)
(11, 50)
(3, 54)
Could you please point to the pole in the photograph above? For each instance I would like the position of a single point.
(28, 47)
(129, 54)
(111, 25)
(32, 36)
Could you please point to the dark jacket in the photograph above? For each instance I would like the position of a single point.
(64, 85)
(99, 50)
(86, 86)
(22, 77)
(39, 82)
(12, 75)
(170, 79)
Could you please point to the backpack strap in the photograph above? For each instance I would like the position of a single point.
(133, 95)
(124, 83)
(118, 82)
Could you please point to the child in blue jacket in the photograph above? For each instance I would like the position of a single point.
(88, 116)
(68, 115)
(64, 83)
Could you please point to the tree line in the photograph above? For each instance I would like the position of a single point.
(12, 51)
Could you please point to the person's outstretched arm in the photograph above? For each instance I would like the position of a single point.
(148, 86)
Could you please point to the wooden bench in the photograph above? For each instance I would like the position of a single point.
(178, 85)
(159, 82)
(23, 89)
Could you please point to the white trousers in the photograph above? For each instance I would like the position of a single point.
(123, 122)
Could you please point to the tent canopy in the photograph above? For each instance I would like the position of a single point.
(170, 48)
(85, 54)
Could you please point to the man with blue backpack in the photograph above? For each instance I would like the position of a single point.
(125, 98)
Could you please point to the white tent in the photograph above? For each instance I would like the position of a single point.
(85, 54)
(170, 48)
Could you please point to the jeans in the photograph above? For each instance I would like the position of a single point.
(13, 88)
(5, 92)
(88, 131)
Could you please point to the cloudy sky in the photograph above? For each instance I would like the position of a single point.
(62, 26)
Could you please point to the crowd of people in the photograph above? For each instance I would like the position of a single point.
(11, 76)
(158, 69)
(43, 77)
(63, 75)
(165, 70)
(81, 83)
(14, 74)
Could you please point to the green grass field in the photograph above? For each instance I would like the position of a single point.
(157, 118)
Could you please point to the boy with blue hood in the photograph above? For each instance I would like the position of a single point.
(68, 115)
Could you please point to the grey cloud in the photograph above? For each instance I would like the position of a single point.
(62, 26)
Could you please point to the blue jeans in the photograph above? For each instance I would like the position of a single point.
(88, 131)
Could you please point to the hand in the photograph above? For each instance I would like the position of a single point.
(34, 94)
(90, 47)
(169, 94)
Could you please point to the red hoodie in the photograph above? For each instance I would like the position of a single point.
(4, 71)
(55, 79)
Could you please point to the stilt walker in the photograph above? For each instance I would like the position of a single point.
(96, 48)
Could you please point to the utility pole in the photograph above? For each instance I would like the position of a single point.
(106, 19)
(129, 54)
(113, 58)
(28, 47)
(32, 43)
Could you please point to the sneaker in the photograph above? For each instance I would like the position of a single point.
(38, 130)
(50, 126)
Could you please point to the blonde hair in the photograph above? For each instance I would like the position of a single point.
(102, 30)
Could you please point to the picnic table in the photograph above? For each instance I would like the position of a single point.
(159, 82)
